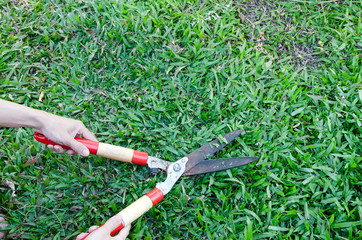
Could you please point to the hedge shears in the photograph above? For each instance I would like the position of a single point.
(192, 164)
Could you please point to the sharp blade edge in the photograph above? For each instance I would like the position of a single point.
(218, 165)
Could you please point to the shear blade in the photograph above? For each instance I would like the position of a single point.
(209, 149)
(218, 165)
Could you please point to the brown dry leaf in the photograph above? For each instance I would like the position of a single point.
(41, 96)
(262, 35)
(11, 185)
(124, 196)
(269, 63)
(76, 208)
(241, 16)
(31, 161)
(296, 125)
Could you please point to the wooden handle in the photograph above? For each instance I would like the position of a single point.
(138, 208)
(122, 154)
(103, 150)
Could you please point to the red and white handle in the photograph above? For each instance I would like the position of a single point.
(104, 150)
(137, 209)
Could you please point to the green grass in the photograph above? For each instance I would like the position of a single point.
(165, 77)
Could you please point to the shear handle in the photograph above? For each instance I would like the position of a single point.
(146, 202)
(137, 209)
(103, 149)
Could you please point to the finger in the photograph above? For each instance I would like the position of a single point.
(91, 229)
(123, 233)
(59, 149)
(71, 152)
(81, 236)
(51, 147)
(3, 222)
(87, 134)
(78, 147)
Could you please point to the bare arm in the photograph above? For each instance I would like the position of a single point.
(61, 130)
(58, 129)
(16, 115)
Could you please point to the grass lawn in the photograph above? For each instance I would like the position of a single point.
(165, 77)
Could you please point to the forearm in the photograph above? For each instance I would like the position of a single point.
(16, 115)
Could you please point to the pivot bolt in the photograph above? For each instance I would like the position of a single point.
(176, 167)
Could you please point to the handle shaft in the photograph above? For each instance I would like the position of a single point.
(103, 149)
(138, 208)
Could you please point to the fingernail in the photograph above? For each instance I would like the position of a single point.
(85, 152)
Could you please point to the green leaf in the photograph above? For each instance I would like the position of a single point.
(222, 139)
(249, 232)
(276, 228)
(346, 224)
(299, 110)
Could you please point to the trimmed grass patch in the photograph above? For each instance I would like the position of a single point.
(165, 77)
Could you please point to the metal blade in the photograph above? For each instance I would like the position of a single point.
(208, 150)
(218, 165)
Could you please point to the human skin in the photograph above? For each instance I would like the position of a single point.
(60, 130)
(104, 232)
(3, 224)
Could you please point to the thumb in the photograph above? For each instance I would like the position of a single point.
(113, 223)
(122, 235)
(78, 147)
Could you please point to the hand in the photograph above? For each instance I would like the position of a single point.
(104, 232)
(3, 224)
(58, 129)
(63, 130)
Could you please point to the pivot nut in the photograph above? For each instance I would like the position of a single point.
(176, 167)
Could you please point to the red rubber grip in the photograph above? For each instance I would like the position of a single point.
(91, 145)
(156, 195)
(139, 158)
(119, 228)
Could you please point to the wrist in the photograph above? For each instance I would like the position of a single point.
(39, 119)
